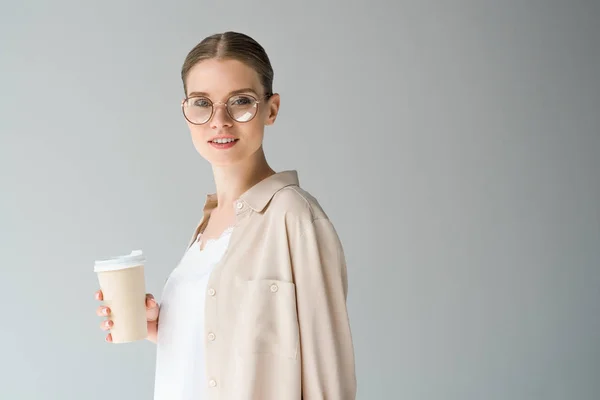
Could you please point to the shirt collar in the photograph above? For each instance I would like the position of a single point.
(259, 195)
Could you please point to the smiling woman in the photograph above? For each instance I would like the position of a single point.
(227, 99)
(256, 308)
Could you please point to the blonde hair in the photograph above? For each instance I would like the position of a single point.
(231, 45)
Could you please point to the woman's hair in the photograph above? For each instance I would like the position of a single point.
(231, 45)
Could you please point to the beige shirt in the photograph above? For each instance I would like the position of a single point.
(276, 322)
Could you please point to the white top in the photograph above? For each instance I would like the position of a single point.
(180, 358)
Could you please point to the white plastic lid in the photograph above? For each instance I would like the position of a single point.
(135, 259)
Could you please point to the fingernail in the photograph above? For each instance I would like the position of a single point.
(107, 324)
(105, 312)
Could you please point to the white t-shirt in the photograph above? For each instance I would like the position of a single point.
(180, 358)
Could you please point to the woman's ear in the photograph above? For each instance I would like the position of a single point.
(273, 103)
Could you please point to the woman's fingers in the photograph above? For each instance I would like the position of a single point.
(106, 325)
(102, 311)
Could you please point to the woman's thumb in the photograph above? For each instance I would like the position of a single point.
(151, 308)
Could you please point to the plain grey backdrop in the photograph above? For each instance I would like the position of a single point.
(455, 146)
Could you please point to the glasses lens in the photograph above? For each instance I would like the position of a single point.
(197, 109)
(242, 108)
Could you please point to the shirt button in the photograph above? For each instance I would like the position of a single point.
(274, 288)
(211, 336)
(212, 383)
(211, 292)
(240, 205)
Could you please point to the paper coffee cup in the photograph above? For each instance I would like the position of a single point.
(124, 292)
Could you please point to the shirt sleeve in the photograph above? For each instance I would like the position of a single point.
(326, 348)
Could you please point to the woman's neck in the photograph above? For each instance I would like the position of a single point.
(233, 180)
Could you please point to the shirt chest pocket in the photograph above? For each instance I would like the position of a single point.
(268, 320)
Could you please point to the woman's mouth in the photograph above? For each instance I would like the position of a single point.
(223, 143)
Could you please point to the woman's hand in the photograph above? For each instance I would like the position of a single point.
(152, 311)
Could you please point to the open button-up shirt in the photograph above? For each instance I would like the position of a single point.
(276, 322)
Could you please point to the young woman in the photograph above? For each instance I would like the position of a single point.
(256, 308)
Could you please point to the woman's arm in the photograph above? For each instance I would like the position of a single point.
(327, 352)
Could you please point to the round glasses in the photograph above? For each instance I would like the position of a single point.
(199, 110)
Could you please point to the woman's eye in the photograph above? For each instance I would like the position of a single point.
(201, 103)
(241, 101)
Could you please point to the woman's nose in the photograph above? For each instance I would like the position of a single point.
(220, 117)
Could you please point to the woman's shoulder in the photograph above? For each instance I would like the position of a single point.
(295, 202)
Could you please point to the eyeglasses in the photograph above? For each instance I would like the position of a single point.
(199, 110)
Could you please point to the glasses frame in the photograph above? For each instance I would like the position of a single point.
(212, 106)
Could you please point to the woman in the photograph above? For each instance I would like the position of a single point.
(256, 309)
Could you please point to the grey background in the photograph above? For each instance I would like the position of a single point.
(455, 146)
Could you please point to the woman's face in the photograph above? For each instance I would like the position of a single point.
(217, 80)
